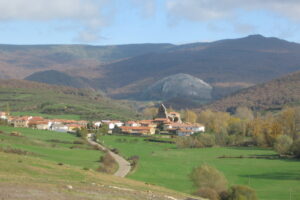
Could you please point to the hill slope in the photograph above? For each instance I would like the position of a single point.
(54, 77)
(125, 71)
(27, 59)
(30, 96)
(271, 95)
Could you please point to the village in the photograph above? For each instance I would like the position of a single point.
(164, 123)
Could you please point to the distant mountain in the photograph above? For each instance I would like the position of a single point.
(178, 86)
(267, 96)
(126, 71)
(228, 65)
(54, 77)
(27, 59)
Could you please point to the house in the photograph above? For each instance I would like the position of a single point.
(184, 132)
(147, 123)
(21, 122)
(188, 126)
(97, 124)
(137, 130)
(74, 127)
(3, 115)
(132, 123)
(161, 121)
(39, 124)
(113, 123)
(59, 127)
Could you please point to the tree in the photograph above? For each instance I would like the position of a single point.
(288, 119)
(283, 144)
(244, 113)
(190, 116)
(207, 193)
(241, 192)
(296, 148)
(207, 176)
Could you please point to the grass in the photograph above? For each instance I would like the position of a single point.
(52, 146)
(165, 165)
(48, 116)
(39, 176)
(26, 97)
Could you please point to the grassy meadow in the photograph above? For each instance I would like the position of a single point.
(165, 165)
(38, 174)
(53, 146)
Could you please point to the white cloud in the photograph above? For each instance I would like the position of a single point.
(87, 13)
(203, 10)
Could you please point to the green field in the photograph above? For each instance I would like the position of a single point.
(38, 174)
(47, 116)
(69, 103)
(52, 146)
(165, 165)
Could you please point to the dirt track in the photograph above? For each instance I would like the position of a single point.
(124, 165)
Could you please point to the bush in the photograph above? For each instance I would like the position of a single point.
(240, 192)
(283, 144)
(209, 177)
(207, 193)
(17, 134)
(108, 164)
(188, 142)
(208, 140)
(134, 161)
(296, 148)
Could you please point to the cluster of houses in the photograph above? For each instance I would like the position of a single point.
(164, 123)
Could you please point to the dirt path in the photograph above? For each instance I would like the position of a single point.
(124, 165)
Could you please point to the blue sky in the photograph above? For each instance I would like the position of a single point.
(102, 22)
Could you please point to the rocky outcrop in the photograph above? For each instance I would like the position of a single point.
(178, 86)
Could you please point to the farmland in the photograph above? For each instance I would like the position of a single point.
(48, 165)
(165, 165)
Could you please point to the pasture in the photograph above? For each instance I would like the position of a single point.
(165, 165)
(61, 148)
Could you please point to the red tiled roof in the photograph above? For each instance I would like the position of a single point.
(135, 128)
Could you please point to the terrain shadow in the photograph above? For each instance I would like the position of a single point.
(276, 176)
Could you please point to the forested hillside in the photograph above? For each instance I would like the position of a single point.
(268, 96)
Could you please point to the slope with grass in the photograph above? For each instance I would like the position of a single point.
(27, 96)
(165, 165)
(42, 165)
(272, 95)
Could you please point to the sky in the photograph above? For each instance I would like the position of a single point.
(105, 22)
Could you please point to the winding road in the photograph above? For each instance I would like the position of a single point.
(124, 165)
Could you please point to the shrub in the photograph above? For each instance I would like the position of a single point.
(241, 192)
(296, 148)
(17, 134)
(208, 140)
(207, 193)
(15, 151)
(207, 176)
(134, 161)
(108, 164)
(283, 144)
(188, 142)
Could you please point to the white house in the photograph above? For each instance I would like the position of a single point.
(132, 124)
(113, 123)
(60, 128)
(184, 132)
(97, 124)
(3, 115)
